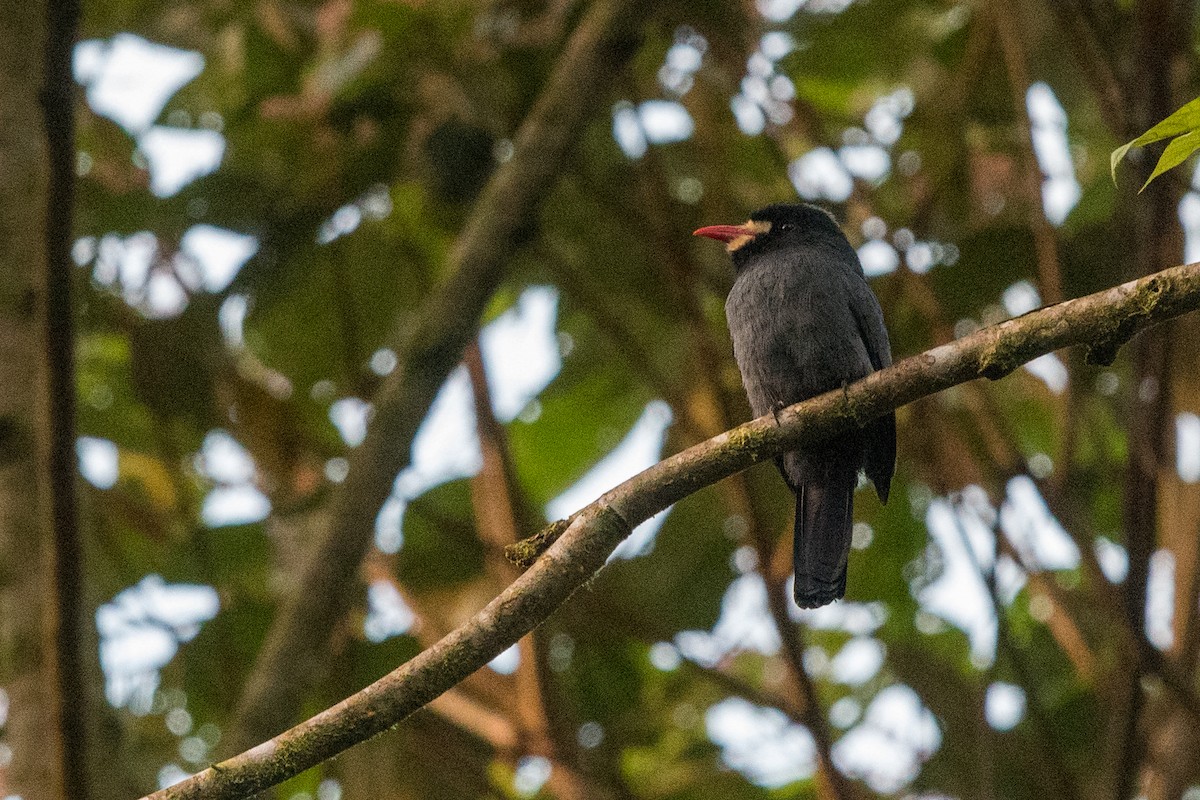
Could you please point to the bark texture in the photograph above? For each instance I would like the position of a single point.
(27, 673)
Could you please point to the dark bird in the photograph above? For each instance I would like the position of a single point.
(804, 322)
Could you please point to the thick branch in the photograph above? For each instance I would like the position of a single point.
(1103, 318)
(291, 656)
(38, 767)
(1160, 32)
(62, 20)
(58, 113)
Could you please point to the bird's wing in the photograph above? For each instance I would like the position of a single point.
(880, 459)
(869, 316)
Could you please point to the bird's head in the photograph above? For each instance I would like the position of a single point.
(775, 227)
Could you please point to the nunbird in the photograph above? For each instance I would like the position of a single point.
(804, 322)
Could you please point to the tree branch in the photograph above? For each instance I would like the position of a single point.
(1019, 81)
(428, 350)
(1053, 764)
(1160, 32)
(501, 513)
(1094, 63)
(59, 462)
(1101, 320)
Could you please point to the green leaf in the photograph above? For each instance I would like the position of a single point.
(604, 679)
(369, 661)
(441, 547)
(1185, 122)
(585, 411)
(680, 583)
(1177, 151)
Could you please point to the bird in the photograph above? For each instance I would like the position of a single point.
(804, 321)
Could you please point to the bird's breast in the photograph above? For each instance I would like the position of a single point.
(794, 335)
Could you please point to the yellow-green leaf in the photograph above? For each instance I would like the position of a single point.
(1185, 120)
(1178, 150)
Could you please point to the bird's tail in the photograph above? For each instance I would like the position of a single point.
(824, 513)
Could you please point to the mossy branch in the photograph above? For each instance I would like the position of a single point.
(574, 550)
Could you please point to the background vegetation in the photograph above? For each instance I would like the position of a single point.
(279, 251)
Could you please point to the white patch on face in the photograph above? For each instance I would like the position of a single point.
(758, 226)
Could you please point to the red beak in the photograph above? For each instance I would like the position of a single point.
(727, 233)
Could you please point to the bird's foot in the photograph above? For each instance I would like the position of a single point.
(776, 407)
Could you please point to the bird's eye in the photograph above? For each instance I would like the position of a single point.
(784, 227)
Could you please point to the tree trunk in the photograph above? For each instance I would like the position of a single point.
(27, 651)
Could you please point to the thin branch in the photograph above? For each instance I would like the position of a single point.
(1104, 319)
(1189, 628)
(58, 113)
(500, 514)
(495, 728)
(833, 783)
(1055, 769)
(1093, 62)
(291, 656)
(497, 508)
(1060, 621)
(1044, 239)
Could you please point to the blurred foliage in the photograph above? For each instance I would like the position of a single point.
(357, 134)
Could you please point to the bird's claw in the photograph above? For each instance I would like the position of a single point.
(776, 407)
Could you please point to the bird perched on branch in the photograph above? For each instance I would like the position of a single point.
(804, 322)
